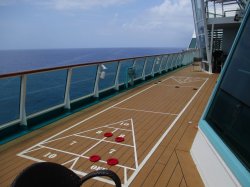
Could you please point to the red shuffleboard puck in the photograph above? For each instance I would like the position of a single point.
(108, 134)
(94, 158)
(112, 161)
(119, 139)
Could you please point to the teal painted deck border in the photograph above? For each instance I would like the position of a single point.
(233, 163)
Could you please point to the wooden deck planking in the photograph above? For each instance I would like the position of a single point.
(173, 144)
(180, 128)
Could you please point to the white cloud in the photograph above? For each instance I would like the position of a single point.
(172, 21)
(68, 4)
(84, 4)
(169, 15)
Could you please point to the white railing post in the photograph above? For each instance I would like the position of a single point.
(153, 67)
(97, 80)
(167, 62)
(160, 69)
(182, 57)
(144, 69)
(67, 90)
(23, 117)
(117, 76)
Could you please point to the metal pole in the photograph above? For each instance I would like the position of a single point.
(23, 117)
(144, 69)
(67, 90)
(117, 76)
(97, 80)
(211, 48)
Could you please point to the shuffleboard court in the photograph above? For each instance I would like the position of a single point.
(122, 137)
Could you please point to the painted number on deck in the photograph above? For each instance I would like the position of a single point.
(95, 167)
(73, 142)
(99, 132)
(111, 151)
(50, 155)
(122, 135)
(124, 124)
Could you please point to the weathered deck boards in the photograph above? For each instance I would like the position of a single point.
(158, 121)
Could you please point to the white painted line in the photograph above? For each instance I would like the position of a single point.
(176, 80)
(80, 122)
(120, 129)
(106, 126)
(102, 126)
(162, 137)
(135, 149)
(74, 159)
(145, 159)
(77, 172)
(125, 176)
(184, 80)
(57, 139)
(122, 108)
(100, 141)
(66, 152)
(96, 178)
(33, 150)
(30, 158)
(173, 85)
(196, 78)
(104, 140)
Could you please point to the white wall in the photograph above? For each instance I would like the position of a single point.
(211, 167)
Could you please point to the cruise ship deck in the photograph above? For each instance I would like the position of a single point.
(152, 126)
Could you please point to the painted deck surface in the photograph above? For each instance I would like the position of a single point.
(157, 120)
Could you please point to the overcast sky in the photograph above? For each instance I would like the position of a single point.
(40, 24)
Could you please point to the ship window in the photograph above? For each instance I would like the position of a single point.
(229, 114)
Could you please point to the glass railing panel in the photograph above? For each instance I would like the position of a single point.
(139, 64)
(170, 61)
(110, 74)
(45, 90)
(150, 63)
(157, 64)
(164, 62)
(180, 59)
(82, 81)
(123, 74)
(173, 60)
(184, 60)
(9, 99)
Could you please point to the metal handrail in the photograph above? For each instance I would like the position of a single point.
(80, 65)
(171, 60)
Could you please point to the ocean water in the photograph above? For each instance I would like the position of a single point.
(45, 90)
(21, 60)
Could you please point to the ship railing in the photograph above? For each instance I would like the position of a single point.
(218, 9)
(29, 94)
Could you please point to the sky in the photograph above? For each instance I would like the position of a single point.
(45, 24)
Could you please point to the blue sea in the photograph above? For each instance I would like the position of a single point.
(21, 60)
(45, 90)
